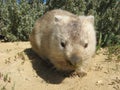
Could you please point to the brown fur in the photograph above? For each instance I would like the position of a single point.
(67, 40)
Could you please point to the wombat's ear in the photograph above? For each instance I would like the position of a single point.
(88, 18)
(91, 19)
(59, 18)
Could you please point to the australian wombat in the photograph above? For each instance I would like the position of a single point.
(67, 40)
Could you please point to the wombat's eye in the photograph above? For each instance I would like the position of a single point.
(86, 45)
(63, 44)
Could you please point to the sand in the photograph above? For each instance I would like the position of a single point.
(22, 69)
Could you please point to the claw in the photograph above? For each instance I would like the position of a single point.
(79, 74)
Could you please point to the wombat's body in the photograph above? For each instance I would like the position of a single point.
(67, 40)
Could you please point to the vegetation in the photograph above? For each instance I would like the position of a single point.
(6, 80)
(16, 20)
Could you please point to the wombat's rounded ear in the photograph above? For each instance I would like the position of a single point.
(58, 18)
(91, 19)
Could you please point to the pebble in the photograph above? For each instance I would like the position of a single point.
(100, 82)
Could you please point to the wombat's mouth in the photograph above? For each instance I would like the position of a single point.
(69, 63)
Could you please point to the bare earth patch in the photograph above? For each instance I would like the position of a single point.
(22, 69)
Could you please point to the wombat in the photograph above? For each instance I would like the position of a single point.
(68, 41)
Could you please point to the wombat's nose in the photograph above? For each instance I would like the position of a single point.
(75, 60)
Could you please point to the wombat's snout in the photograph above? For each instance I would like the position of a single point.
(75, 60)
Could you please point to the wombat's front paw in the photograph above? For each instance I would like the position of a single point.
(79, 73)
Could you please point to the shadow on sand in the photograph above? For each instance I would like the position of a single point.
(43, 69)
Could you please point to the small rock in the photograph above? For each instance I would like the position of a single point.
(100, 82)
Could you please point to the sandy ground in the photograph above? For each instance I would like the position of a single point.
(22, 69)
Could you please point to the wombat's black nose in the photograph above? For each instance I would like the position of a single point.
(75, 60)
